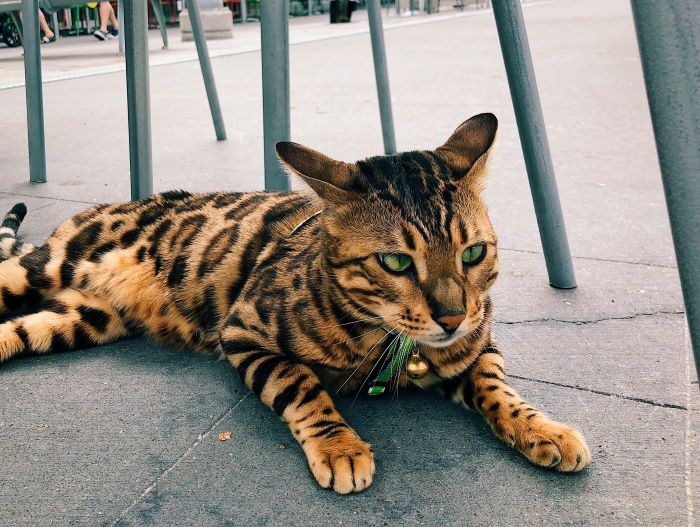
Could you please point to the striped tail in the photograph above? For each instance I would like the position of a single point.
(9, 244)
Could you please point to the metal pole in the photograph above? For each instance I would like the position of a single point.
(533, 138)
(244, 11)
(158, 11)
(207, 74)
(310, 4)
(33, 90)
(374, 12)
(669, 39)
(54, 20)
(120, 19)
(274, 35)
(138, 98)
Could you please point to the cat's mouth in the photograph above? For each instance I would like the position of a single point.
(441, 341)
(444, 338)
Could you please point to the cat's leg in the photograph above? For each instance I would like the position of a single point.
(336, 455)
(542, 441)
(71, 320)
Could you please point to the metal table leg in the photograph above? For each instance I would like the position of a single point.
(669, 39)
(138, 98)
(205, 64)
(54, 20)
(374, 12)
(158, 11)
(33, 88)
(533, 137)
(120, 19)
(274, 35)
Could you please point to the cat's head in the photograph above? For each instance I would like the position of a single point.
(407, 236)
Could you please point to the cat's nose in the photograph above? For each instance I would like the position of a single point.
(449, 321)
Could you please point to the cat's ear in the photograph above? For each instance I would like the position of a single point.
(467, 149)
(332, 180)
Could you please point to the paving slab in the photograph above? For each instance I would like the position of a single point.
(126, 433)
(85, 432)
(129, 431)
(641, 358)
(471, 479)
(606, 290)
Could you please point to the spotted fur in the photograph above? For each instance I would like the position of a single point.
(290, 288)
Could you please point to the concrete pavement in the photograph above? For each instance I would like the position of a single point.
(126, 434)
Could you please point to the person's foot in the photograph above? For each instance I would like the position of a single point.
(113, 35)
(101, 35)
(45, 39)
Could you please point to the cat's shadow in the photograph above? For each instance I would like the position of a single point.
(403, 428)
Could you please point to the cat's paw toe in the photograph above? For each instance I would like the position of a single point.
(557, 446)
(346, 466)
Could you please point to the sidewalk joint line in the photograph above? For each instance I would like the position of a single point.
(187, 452)
(594, 259)
(601, 392)
(585, 322)
(7, 193)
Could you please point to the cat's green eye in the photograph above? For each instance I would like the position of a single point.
(396, 262)
(474, 254)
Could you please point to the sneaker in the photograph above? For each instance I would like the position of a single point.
(113, 36)
(45, 39)
(101, 35)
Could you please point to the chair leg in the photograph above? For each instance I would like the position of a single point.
(533, 137)
(138, 98)
(205, 64)
(374, 12)
(120, 19)
(274, 36)
(14, 15)
(158, 10)
(34, 91)
(669, 38)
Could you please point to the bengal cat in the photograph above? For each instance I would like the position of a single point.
(301, 293)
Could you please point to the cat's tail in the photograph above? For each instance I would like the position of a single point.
(10, 245)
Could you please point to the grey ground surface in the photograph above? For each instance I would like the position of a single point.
(127, 434)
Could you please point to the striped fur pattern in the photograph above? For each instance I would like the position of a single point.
(10, 245)
(294, 291)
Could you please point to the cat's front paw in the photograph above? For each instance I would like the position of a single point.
(345, 462)
(555, 445)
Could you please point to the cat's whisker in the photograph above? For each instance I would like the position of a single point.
(515, 352)
(385, 355)
(355, 321)
(402, 366)
(361, 336)
(364, 359)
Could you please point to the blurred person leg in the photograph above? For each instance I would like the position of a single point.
(48, 34)
(107, 16)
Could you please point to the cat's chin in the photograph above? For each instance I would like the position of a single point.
(442, 341)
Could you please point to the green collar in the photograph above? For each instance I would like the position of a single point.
(396, 355)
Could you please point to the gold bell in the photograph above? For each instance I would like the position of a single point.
(417, 367)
